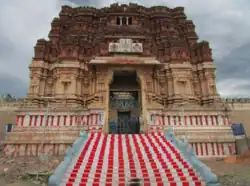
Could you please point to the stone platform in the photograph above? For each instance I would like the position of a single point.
(209, 134)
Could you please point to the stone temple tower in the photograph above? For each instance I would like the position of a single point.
(122, 69)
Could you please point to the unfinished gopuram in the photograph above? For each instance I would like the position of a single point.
(121, 69)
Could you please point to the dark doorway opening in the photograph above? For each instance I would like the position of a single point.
(123, 122)
(125, 103)
(126, 124)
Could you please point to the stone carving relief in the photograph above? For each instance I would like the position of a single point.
(104, 49)
(34, 85)
(66, 85)
(65, 78)
(149, 82)
(125, 46)
(185, 56)
(113, 47)
(176, 55)
(212, 89)
(137, 48)
(182, 85)
(195, 88)
(173, 34)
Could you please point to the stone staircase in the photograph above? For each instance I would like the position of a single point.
(115, 159)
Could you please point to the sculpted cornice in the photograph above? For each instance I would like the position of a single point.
(69, 64)
(186, 65)
(210, 75)
(206, 65)
(39, 64)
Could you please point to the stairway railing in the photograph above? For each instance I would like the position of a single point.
(56, 178)
(187, 151)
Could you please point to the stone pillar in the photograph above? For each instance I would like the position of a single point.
(175, 86)
(157, 85)
(154, 84)
(41, 86)
(55, 87)
(108, 80)
(170, 84)
(205, 86)
(78, 86)
(143, 100)
(202, 83)
(210, 84)
(35, 85)
(73, 85)
(95, 84)
(92, 85)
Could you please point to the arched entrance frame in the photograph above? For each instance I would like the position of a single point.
(141, 81)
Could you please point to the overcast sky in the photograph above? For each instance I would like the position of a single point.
(224, 23)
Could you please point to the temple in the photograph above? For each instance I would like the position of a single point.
(123, 69)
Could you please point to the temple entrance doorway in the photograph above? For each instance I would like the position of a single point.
(125, 103)
(123, 121)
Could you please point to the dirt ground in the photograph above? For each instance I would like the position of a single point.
(27, 171)
(237, 174)
(3, 182)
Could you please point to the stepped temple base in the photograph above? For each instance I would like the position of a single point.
(208, 133)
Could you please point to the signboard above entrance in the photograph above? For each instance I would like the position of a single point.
(125, 46)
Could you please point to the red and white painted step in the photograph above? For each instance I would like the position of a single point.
(115, 159)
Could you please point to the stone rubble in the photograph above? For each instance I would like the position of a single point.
(35, 169)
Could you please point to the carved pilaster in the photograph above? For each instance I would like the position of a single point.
(196, 86)
(162, 83)
(170, 83)
(73, 87)
(204, 86)
(35, 82)
(210, 77)
(78, 85)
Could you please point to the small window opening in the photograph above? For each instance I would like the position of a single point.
(118, 21)
(124, 20)
(70, 51)
(9, 127)
(130, 21)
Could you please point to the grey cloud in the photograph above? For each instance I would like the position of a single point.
(235, 88)
(13, 85)
(21, 24)
(84, 3)
(235, 64)
(5, 45)
(13, 59)
(243, 87)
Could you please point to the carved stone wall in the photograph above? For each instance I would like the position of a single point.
(67, 82)
(79, 33)
(176, 83)
(174, 67)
